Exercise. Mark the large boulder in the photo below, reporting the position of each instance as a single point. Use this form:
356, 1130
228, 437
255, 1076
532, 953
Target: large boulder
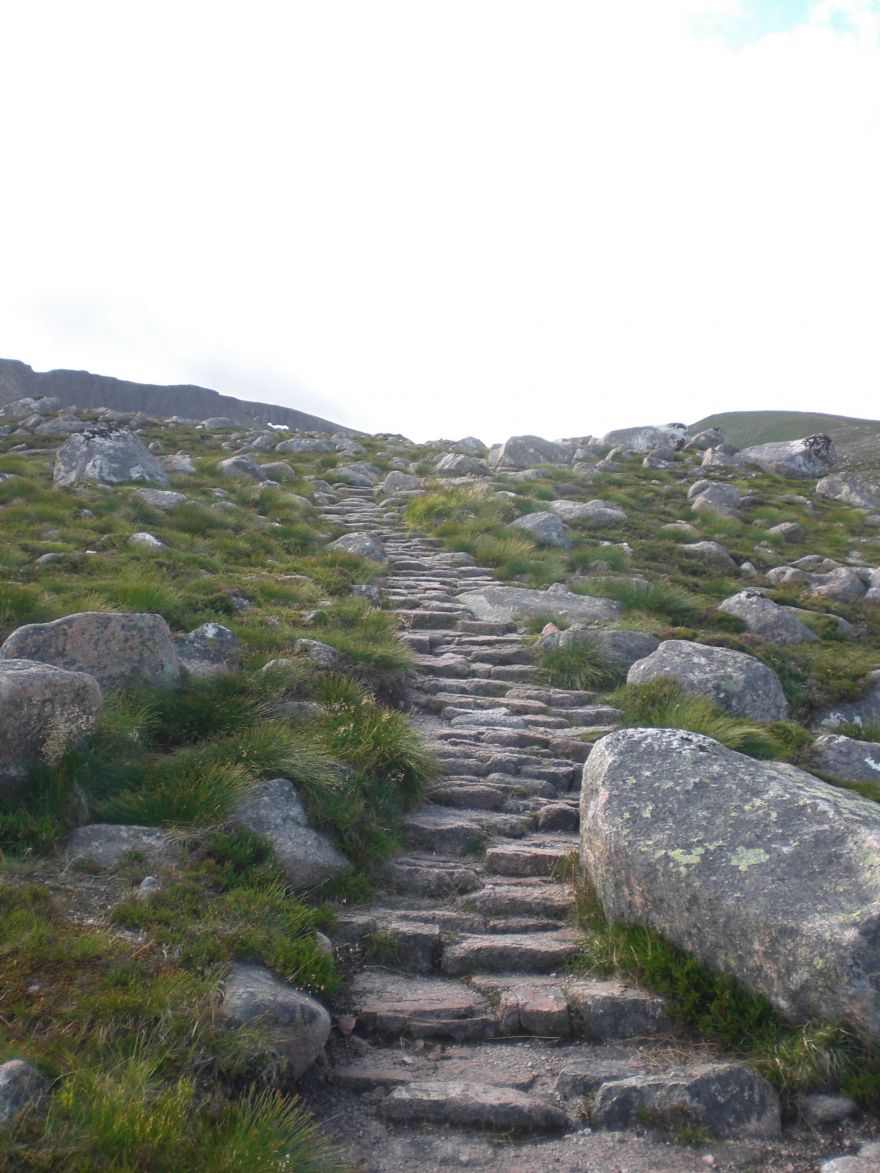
758, 869
115, 649
459, 464
736, 682
273, 809
107, 455
850, 490
503, 604
761, 616
812, 456
364, 543
241, 466
595, 512
527, 451
43, 710
646, 439
545, 528
297, 1024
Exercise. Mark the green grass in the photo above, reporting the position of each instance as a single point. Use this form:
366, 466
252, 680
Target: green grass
717, 1008
580, 665
661, 704
661, 599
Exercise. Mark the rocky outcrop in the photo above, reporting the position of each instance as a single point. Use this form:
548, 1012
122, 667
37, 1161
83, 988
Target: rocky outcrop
688, 837
296, 1023
43, 710
17, 379
116, 649
739, 684
813, 456
108, 456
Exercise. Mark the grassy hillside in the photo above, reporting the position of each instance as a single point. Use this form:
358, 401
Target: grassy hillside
857, 441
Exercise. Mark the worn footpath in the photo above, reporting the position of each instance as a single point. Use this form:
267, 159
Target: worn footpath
464, 1039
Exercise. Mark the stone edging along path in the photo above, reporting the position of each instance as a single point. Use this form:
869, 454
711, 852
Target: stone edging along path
463, 1040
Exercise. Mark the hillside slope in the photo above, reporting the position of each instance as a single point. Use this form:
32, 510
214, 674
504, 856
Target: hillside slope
86, 390
857, 440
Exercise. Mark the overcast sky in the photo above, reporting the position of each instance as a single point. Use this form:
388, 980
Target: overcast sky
450, 217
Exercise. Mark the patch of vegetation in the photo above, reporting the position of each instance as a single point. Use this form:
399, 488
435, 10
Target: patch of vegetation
581, 664
661, 704
717, 1008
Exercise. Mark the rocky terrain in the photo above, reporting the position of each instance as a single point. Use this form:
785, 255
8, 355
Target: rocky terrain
380, 806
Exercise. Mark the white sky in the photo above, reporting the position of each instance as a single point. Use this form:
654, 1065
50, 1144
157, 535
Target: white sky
449, 217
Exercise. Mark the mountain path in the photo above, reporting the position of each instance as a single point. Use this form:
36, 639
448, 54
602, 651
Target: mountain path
471, 1042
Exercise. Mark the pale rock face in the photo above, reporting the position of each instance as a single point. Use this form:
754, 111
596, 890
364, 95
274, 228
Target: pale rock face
595, 512
241, 466
460, 464
115, 649
108, 456
812, 456
739, 684
688, 837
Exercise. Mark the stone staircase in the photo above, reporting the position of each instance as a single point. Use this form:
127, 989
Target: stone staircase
464, 1038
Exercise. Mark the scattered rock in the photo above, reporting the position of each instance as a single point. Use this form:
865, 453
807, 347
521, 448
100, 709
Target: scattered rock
115, 649
273, 809
108, 456
527, 451
725, 1099
107, 845
43, 710
736, 682
207, 650
178, 464
459, 465
298, 1025
812, 456
365, 544
846, 758
163, 499
241, 466
21, 1087
594, 513
684, 835
545, 528
761, 616
646, 439
850, 490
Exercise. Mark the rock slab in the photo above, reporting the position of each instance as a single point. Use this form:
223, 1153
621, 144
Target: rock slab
756, 868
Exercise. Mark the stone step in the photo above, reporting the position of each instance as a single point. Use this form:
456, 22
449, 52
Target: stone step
424, 618
525, 897
509, 953
430, 875
483, 626
455, 832
533, 856
564, 1007
558, 698
472, 795
402, 1005
472, 1105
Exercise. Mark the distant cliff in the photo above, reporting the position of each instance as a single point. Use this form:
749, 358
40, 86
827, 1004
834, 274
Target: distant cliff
18, 380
